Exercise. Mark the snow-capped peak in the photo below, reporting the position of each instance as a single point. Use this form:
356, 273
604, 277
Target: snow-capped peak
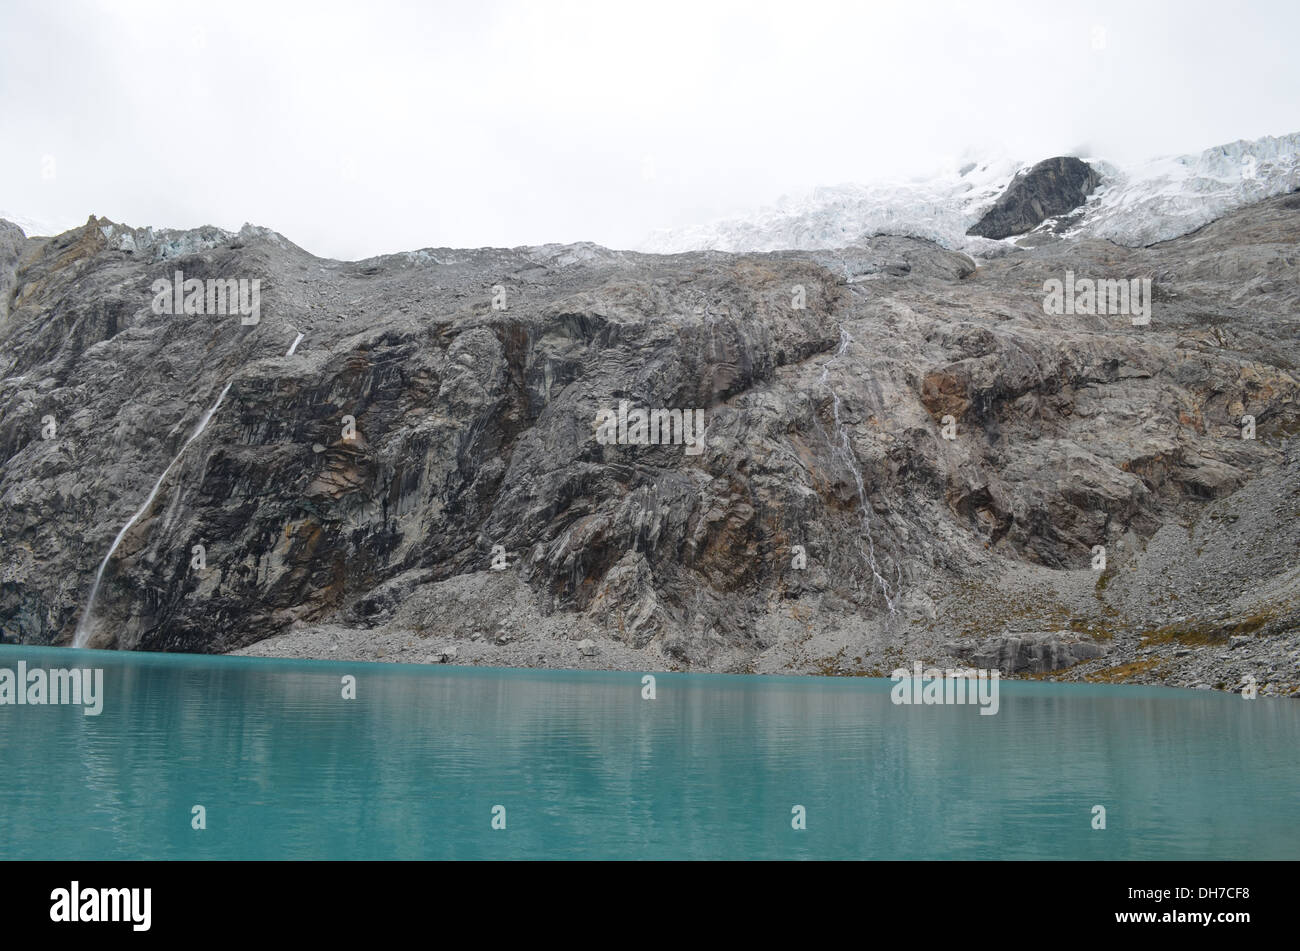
1158, 200
940, 208
32, 227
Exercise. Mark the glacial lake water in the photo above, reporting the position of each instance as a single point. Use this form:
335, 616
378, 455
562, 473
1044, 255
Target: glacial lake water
584, 767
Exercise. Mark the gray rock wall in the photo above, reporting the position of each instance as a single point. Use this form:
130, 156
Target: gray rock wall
476, 446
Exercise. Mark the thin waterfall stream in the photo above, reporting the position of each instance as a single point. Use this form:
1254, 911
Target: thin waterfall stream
843, 450
84, 626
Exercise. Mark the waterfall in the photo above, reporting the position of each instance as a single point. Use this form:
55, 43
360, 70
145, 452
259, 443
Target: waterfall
82, 635
843, 450
294, 346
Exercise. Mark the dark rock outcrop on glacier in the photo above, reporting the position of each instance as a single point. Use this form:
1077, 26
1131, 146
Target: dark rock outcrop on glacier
475, 511
1053, 187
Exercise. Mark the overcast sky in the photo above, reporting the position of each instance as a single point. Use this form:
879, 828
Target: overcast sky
368, 127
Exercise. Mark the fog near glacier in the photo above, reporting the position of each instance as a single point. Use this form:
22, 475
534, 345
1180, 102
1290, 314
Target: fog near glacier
358, 129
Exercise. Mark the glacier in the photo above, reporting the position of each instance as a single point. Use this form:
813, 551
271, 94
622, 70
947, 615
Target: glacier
1135, 206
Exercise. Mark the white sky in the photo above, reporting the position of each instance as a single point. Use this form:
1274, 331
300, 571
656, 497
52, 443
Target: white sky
367, 127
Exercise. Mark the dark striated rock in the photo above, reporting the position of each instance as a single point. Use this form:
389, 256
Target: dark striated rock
12, 243
1053, 187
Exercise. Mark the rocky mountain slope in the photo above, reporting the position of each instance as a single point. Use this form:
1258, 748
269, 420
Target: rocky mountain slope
424, 475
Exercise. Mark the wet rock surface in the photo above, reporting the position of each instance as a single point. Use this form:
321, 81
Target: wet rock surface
470, 512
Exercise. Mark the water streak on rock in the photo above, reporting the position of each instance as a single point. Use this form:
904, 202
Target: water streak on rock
84, 626
844, 452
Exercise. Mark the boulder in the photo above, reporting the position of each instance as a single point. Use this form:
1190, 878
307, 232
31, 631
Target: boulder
1053, 187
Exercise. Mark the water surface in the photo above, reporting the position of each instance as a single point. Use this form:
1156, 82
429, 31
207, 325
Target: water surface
586, 768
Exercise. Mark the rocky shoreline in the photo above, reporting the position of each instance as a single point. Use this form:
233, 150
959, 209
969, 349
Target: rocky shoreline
1215, 651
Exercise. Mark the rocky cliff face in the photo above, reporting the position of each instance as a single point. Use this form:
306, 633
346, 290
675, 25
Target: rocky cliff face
904, 455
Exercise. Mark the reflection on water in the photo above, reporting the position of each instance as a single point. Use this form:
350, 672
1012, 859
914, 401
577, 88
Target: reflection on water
411, 768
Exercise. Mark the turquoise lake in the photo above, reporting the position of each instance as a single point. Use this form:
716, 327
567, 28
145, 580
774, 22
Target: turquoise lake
586, 768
